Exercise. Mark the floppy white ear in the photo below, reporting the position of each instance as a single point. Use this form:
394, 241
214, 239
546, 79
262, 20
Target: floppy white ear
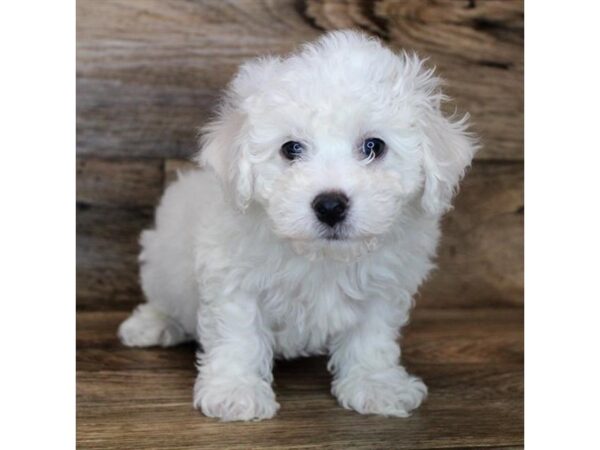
448, 146
224, 142
448, 150
223, 149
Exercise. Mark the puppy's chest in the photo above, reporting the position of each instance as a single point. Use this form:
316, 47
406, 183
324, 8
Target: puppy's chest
304, 312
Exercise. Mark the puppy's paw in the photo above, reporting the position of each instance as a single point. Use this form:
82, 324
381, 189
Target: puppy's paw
391, 392
147, 327
234, 399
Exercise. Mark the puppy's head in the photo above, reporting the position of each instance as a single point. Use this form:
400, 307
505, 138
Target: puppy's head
338, 141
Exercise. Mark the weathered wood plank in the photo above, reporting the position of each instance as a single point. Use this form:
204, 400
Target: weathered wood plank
126, 183
471, 359
446, 336
149, 72
480, 257
468, 405
309, 379
107, 250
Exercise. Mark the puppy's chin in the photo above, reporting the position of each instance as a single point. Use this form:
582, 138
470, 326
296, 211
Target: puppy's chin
335, 247
343, 242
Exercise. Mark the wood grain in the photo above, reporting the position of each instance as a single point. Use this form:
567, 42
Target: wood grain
149, 72
480, 257
131, 398
153, 410
125, 183
107, 250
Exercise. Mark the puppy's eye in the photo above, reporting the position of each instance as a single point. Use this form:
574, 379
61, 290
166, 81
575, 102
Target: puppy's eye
373, 148
292, 150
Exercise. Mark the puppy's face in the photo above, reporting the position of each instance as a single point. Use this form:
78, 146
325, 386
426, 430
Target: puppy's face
339, 169
337, 142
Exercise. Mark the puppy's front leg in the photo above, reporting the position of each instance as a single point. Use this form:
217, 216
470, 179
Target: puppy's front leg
368, 376
234, 379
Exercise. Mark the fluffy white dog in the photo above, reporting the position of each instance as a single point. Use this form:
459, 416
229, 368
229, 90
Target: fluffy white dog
318, 221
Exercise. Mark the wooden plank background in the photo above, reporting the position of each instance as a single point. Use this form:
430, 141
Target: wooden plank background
149, 72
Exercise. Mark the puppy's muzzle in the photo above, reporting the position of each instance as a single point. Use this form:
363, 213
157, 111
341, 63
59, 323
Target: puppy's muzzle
330, 207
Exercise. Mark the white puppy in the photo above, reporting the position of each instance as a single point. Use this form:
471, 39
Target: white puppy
312, 230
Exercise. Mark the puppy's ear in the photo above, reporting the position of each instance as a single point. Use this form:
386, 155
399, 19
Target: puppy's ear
448, 146
223, 149
448, 149
225, 145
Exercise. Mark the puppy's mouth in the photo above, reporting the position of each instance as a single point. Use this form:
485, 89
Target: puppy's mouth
339, 242
336, 233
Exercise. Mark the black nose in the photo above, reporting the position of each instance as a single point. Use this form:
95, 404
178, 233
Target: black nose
330, 207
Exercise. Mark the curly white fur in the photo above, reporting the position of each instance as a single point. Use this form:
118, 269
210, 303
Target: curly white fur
238, 260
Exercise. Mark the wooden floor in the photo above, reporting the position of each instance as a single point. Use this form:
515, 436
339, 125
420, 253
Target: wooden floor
471, 359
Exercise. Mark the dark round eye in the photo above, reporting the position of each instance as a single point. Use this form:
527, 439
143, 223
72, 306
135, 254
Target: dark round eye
373, 146
292, 150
